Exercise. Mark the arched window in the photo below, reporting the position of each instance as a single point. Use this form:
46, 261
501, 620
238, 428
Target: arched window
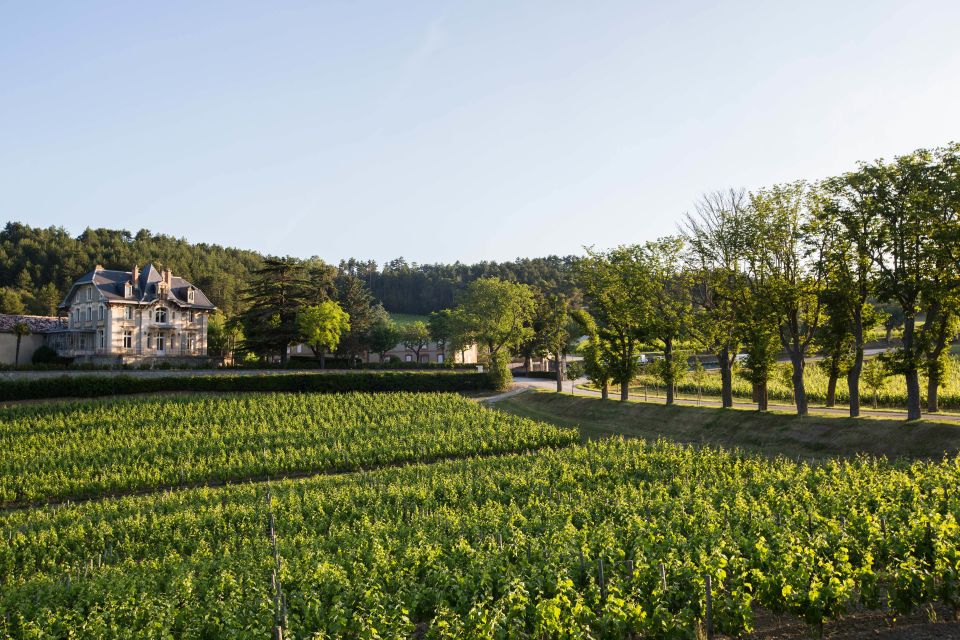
160, 315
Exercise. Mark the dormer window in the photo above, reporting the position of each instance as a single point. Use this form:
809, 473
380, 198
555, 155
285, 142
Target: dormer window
190, 296
128, 290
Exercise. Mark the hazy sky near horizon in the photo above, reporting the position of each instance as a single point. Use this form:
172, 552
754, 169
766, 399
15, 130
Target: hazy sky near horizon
450, 131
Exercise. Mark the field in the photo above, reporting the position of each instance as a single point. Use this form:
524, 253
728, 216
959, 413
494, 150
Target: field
505, 528
53, 452
891, 395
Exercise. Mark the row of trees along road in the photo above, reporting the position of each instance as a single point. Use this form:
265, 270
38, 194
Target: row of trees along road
796, 269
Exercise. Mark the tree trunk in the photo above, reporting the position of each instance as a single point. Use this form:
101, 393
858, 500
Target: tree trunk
559, 374
668, 367
605, 391
527, 363
933, 360
284, 355
323, 358
799, 388
833, 376
624, 390
911, 375
853, 375
933, 386
726, 377
16, 357
912, 378
761, 391
832, 388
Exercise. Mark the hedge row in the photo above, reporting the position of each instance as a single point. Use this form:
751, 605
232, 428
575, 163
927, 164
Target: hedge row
94, 386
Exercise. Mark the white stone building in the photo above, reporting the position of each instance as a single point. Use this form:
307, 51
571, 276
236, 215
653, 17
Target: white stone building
128, 316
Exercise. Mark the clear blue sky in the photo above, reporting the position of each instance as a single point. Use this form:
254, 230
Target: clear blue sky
445, 131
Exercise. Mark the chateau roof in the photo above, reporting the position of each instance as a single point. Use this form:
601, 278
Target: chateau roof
111, 284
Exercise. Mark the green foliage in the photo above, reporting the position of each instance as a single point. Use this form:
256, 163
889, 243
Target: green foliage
415, 337
500, 375
94, 386
276, 293
11, 302
497, 314
46, 355
384, 335
498, 547
321, 325
102, 447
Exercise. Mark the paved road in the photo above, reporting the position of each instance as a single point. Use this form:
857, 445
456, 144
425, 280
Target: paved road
522, 384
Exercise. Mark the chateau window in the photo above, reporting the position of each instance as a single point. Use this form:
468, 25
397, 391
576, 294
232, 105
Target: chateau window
190, 296
100, 313
128, 290
160, 340
128, 313
160, 315
128, 339
89, 293
103, 338
439, 358
149, 342
191, 316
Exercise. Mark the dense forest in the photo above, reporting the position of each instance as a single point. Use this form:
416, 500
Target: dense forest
38, 265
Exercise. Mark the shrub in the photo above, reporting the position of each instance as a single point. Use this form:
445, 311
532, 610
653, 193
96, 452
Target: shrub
48, 355
105, 385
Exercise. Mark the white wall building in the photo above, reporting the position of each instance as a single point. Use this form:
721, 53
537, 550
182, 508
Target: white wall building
126, 316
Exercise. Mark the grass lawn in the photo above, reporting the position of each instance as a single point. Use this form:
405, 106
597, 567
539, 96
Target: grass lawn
407, 318
768, 433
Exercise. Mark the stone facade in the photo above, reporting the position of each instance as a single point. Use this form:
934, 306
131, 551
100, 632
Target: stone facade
130, 316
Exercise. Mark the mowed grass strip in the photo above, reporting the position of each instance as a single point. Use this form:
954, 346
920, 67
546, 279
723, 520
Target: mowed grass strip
769, 433
88, 449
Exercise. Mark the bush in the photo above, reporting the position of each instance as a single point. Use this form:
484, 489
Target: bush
48, 355
107, 385
500, 375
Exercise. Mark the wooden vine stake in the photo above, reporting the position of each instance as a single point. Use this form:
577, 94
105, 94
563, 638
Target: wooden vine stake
709, 612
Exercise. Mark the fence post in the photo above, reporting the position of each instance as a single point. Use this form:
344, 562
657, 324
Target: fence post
709, 608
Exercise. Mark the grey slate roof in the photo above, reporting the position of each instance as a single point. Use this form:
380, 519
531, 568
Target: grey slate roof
111, 284
37, 324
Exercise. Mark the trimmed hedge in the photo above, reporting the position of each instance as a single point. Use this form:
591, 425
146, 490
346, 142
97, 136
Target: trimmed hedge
94, 386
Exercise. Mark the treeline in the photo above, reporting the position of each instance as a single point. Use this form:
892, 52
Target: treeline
421, 289
38, 265
798, 268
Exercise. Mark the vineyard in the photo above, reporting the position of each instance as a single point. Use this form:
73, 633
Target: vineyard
609, 539
52, 452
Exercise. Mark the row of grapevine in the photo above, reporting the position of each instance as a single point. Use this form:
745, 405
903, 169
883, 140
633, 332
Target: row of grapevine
96, 447
510, 546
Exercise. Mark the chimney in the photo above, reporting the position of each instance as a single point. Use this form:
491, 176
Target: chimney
99, 267
135, 276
